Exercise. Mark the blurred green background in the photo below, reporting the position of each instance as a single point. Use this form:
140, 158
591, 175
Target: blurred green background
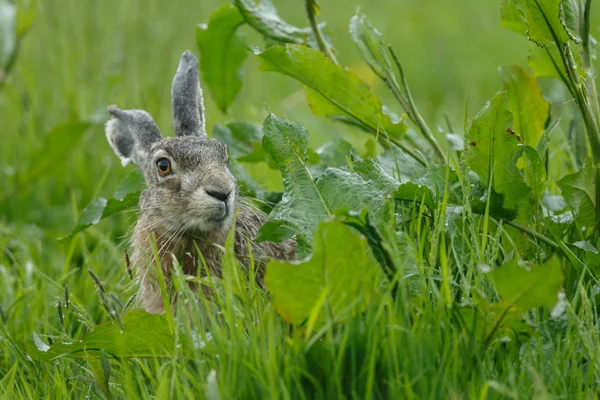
82, 55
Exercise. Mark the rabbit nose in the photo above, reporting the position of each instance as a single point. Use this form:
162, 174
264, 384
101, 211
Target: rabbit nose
219, 194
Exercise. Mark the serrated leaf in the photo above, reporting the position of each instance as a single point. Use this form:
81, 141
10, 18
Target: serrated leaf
145, 335
572, 11
243, 140
126, 197
223, 52
307, 201
524, 289
526, 103
338, 278
301, 207
513, 17
578, 189
263, 17
541, 17
493, 153
371, 47
56, 145
343, 189
372, 171
331, 90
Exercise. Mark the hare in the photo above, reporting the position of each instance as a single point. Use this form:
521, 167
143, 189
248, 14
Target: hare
191, 196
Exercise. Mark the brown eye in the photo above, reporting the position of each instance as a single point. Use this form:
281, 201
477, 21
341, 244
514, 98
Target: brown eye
164, 166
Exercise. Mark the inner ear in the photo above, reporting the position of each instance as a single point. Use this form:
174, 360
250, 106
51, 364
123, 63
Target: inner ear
131, 133
187, 101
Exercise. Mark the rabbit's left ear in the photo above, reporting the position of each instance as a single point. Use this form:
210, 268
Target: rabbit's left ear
188, 104
131, 133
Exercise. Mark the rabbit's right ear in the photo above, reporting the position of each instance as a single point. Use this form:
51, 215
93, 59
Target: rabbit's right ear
131, 134
187, 101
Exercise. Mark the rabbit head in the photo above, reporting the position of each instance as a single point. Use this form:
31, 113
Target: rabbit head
188, 182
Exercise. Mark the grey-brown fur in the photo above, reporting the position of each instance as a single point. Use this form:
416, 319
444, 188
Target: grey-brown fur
193, 206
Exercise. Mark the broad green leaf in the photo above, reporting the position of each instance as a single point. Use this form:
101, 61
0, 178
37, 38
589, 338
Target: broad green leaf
513, 17
307, 201
546, 61
525, 102
223, 52
371, 47
343, 189
535, 173
524, 289
578, 189
479, 201
372, 171
302, 207
335, 153
337, 279
330, 89
413, 192
144, 336
494, 149
263, 17
126, 197
56, 145
243, 140
8, 34
542, 18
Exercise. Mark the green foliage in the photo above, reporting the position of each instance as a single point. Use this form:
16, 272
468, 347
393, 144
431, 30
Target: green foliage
526, 104
338, 278
542, 18
494, 151
242, 140
302, 206
223, 53
331, 90
371, 47
307, 201
453, 273
126, 197
262, 16
524, 289
579, 191
143, 335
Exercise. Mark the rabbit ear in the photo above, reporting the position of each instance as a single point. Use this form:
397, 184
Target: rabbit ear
131, 133
188, 104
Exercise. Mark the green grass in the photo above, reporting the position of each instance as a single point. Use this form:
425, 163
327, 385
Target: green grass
81, 56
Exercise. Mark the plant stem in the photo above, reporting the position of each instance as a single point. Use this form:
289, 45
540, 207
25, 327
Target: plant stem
579, 90
593, 97
408, 103
311, 8
533, 233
